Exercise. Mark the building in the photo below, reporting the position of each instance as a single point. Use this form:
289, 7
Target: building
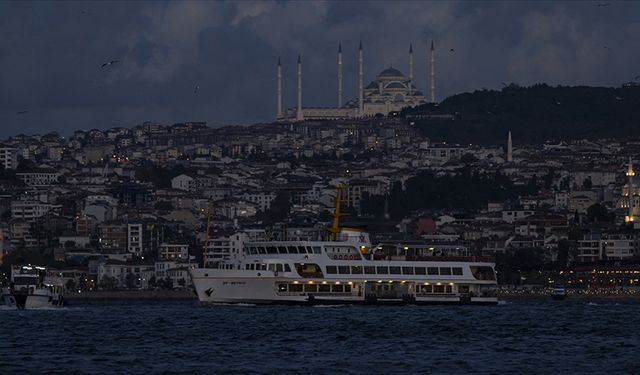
391, 91
39, 178
134, 238
178, 252
8, 157
183, 182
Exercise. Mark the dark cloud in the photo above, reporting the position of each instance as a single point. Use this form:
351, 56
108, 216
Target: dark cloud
51, 53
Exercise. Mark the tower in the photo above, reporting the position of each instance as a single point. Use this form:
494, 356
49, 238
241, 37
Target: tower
299, 116
410, 69
509, 148
630, 175
339, 75
279, 113
433, 75
360, 83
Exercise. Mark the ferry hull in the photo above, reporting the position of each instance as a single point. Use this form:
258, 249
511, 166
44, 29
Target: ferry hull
222, 289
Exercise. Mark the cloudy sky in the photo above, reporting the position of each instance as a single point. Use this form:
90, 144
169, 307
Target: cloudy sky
51, 54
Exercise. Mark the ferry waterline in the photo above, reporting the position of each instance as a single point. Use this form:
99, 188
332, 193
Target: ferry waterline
345, 270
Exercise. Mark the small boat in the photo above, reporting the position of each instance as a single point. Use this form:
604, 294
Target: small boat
7, 301
31, 288
558, 293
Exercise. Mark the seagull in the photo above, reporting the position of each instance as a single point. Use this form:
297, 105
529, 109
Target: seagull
109, 63
603, 5
22, 112
451, 50
557, 102
195, 90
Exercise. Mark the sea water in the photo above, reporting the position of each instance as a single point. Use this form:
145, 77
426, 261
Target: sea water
524, 337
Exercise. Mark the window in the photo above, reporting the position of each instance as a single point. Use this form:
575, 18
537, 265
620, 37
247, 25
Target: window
426, 288
295, 288
279, 267
448, 289
407, 270
317, 250
272, 267
457, 271
445, 270
369, 270
438, 288
324, 288
272, 250
292, 249
394, 270
246, 266
483, 273
262, 250
344, 270
282, 249
301, 250
337, 288
287, 268
282, 287
421, 271
382, 270
347, 288
332, 269
309, 250
356, 270
311, 288
432, 270
253, 250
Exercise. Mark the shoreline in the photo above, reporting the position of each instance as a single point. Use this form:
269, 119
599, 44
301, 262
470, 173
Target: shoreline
131, 295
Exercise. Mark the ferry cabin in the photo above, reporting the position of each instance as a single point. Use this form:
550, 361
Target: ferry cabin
346, 272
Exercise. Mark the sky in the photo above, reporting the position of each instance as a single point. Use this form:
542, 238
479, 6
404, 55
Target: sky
51, 54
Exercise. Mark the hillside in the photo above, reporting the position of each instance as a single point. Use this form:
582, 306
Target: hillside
534, 114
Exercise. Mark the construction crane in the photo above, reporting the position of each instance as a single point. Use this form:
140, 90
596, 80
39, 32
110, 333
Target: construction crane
335, 223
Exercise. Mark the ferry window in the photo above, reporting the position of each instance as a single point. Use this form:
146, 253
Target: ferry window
292, 249
287, 268
263, 267
356, 270
445, 270
344, 269
382, 270
394, 270
282, 249
369, 270
332, 269
448, 289
421, 271
279, 267
483, 273
282, 287
295, 288
261, 250
432, 270
317, 250
324, 288
426, 288
272, 267
438, 288
347, 288
407, 270
272, 250
301, 250
252, 250
252, 267
246, 266
457, 271
337, 288
310, 288
309, 250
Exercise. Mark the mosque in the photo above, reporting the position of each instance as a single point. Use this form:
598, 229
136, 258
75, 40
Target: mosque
391, 91
630, 199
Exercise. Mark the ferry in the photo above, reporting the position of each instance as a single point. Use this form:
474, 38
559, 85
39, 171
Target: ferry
31, 288
345, 269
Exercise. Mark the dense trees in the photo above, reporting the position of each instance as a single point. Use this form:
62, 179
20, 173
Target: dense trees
535, 114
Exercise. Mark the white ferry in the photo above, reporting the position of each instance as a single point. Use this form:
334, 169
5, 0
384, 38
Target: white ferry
345, 270
31, 288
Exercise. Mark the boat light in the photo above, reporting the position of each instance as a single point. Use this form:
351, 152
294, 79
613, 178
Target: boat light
390, 281
438, 283
310, 282
296, 282
350, 283
426, 283
337, 282
450, 283
379, 281
324, 282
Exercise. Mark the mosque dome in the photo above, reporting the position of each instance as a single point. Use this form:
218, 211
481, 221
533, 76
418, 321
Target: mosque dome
395, 85
390, 72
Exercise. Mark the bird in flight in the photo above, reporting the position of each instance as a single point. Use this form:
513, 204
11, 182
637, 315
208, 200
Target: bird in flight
603, 5
109, 63
22, 112
452, 50
195, 89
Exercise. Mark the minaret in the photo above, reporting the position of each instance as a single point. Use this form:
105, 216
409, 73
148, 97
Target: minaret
630, 174
299, 116
509, 148
410, 69
340, 75
433, 74
360, 83
279, 113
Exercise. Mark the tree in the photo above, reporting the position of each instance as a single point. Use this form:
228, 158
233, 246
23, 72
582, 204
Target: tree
152, 282
108, 283
587, 184
70, 284
599, 213
182, 282
167, 283
131, 281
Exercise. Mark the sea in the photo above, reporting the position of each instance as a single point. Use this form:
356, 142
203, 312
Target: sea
183, 337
